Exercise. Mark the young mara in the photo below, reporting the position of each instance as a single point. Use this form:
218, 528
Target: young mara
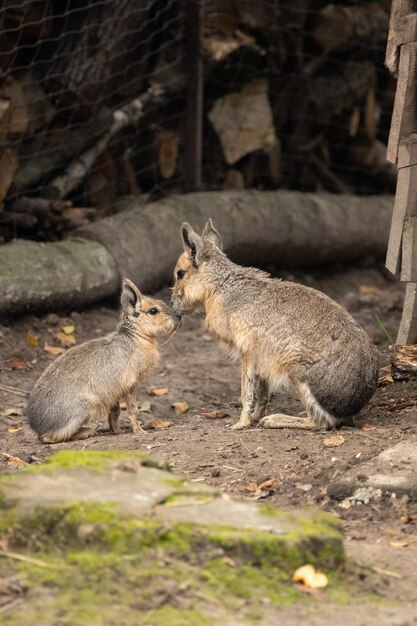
85, 384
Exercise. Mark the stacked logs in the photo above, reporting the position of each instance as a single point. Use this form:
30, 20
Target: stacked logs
92, 103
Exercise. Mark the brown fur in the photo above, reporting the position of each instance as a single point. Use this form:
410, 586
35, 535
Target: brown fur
85, 385
285, 334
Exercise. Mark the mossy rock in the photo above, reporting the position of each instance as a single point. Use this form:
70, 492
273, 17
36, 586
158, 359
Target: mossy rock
110, 538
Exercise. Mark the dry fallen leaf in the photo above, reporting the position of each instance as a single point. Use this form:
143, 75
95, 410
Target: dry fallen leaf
251, 487
366, 427
267, 484
180, 407
384, 376
334, 441
158, 423
310, 577
18, 363
215, 415
158, 392
66, 340
54, 350
399, 544
290, 448
370, 290
406, 518
14, 430
385, 380
260, 491
31, 339
145, 406
68, 330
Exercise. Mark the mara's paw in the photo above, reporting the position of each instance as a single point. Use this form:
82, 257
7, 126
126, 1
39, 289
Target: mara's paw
240, 425
137, 428
267, 422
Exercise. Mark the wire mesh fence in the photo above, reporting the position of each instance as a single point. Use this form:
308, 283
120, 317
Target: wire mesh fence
95, 102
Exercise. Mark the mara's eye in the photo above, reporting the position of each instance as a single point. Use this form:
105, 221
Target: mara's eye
180, 274
153, 311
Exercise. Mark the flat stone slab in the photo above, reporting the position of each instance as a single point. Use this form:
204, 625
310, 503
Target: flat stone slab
394, 471
115, 539
141, 487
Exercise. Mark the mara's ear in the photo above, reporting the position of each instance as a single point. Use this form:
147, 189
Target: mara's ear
131, 298
210, 234
191, 241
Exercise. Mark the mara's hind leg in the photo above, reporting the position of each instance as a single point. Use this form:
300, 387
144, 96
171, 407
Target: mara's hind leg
133, 412
67, 433
317, 417
77, 428
114, 415
91, 423
84, 433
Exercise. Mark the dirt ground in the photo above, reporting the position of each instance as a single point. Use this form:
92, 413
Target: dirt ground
381, 538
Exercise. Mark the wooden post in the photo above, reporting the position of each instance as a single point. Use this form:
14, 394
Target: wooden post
194, 108
401, 60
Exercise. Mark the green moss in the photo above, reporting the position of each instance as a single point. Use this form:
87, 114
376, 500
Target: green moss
168, 616
177, 483
189, 497
90, 459
97, 460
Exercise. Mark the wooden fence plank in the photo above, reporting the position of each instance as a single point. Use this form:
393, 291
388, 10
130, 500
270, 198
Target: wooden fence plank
409, 250
404, 116
405, 205
407, 332
398, 31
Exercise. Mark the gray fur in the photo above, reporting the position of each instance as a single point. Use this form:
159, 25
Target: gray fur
86, 383
285, 334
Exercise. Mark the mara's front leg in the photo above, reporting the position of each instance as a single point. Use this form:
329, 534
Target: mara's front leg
262, 399
247, 396
133, 412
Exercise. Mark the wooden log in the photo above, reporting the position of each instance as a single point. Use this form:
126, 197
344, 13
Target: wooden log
53, 275
73, 142
195, 93
32, 20
30, 107
5, 119
8, 167
243, 121
283, 228
404, 116
407, 332
109, 46
404, 362
338, 27
102, 183
122, 118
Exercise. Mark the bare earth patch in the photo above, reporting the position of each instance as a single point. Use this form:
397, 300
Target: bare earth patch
285, 468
